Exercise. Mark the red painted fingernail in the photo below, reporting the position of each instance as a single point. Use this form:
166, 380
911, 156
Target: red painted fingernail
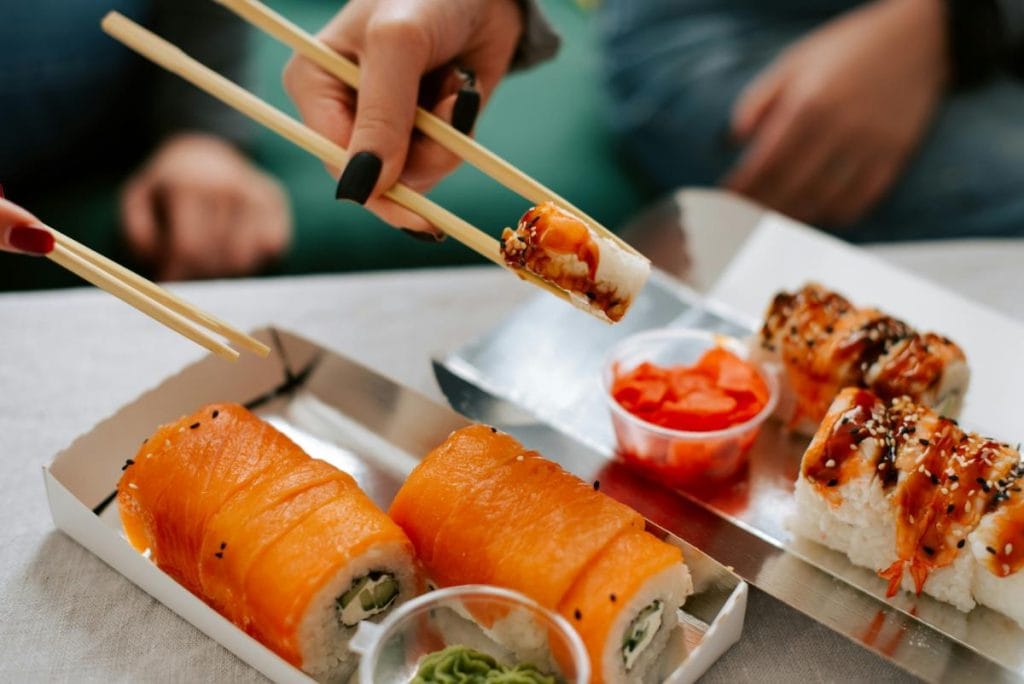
31, 239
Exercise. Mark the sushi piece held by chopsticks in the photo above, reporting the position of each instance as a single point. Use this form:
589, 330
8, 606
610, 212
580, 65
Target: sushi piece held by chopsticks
601, 275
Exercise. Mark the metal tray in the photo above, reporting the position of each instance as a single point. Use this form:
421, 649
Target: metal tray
555, 380
361, 422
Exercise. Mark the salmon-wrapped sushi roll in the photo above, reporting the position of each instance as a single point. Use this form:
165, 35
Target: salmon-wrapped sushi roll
601, 275
513, 519
823, 343
285, 546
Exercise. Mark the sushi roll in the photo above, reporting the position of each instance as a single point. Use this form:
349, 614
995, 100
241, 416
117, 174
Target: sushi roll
997, 546
899, 488
481, 509
285, 546
823, 343
601, 275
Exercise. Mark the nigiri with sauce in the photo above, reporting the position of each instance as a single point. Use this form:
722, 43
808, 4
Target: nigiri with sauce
909, 494
823, 343
601, 275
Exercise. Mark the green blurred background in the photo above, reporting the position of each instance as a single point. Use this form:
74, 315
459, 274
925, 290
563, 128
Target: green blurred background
547, 121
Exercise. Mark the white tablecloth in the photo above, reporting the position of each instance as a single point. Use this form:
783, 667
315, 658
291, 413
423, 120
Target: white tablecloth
70, 358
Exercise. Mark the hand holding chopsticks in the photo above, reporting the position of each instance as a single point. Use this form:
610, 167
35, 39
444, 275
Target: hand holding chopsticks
152, 300
163, 53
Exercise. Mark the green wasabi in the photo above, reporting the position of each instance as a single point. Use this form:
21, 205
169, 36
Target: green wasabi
463, 665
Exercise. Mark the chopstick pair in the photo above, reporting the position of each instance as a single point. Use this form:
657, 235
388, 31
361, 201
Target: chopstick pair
151, 299
171, 58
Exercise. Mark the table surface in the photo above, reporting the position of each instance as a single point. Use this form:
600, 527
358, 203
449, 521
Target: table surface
71, 358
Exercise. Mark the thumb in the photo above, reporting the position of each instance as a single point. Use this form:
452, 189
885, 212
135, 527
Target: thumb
755, 101
394, 62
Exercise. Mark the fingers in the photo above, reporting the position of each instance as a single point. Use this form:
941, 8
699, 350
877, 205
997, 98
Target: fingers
756, 100
395, 58
866, 189
139, 219
21, 232
187, 251
324, 103
775, 145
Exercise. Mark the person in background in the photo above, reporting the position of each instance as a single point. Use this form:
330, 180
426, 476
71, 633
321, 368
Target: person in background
885, 119
76, 104
881, 120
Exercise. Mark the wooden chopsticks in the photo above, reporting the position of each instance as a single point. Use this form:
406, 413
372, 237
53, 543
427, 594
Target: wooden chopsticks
149, 298
464, 147
168, 56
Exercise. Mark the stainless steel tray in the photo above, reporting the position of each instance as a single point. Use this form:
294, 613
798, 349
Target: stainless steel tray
361, 422
542, 366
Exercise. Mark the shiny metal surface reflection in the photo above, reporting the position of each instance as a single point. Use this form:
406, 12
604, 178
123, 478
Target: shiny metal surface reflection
540, 369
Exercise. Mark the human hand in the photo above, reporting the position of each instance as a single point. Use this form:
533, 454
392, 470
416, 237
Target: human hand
398, 43
21, 232
198, 208
831, 123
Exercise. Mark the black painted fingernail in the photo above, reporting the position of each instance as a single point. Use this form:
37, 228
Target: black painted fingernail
359, 177
467, 106
423, 236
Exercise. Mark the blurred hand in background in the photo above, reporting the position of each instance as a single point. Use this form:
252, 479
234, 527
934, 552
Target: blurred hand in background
828, 126
198, 208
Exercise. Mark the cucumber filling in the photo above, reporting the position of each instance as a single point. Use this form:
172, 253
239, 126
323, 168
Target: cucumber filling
641, 633
369, 595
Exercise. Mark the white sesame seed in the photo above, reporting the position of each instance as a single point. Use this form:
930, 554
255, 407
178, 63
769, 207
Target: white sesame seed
132, 485
147, 553
968, 507
1008, 549
519, 457
911, 520
1006, 569
944, 491
830, 463
956, 486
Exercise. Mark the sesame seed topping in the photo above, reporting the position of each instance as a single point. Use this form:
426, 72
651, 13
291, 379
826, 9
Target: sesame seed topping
1006, 568
127, 463
1008, 549
929, 550
597, 485
577, 614
216, 412
832, 483
193, 426
519, 457
132, 485
830, 463
960, 544
950, 508
990, 550
611, 597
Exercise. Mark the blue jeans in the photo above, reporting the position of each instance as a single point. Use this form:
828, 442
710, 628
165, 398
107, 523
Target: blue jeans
674, 68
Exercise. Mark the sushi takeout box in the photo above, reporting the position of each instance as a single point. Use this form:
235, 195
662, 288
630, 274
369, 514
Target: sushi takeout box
362, 423
745, 525
375, 429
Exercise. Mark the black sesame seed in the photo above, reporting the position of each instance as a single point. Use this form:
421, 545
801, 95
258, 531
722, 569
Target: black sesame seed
832, 483
597, 485
924, 442
223, 545
611, 597
577, 614
829, 329
494, 430
216, 412
980, 480
127, 463
193, 426
929, 550
950, 508
954, 478
960, 544
145, 440
219, 554
935, 479
990, 550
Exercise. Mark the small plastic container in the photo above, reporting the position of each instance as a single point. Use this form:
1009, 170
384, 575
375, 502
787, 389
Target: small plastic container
506, 625
692, 460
